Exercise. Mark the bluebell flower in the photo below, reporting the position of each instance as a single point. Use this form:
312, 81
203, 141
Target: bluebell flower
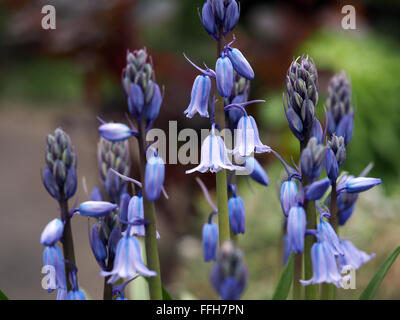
123, 206
115, 132
153, 108
52, 256
113, 241
324, 266
353, 256
224, 76
328, 234
235, 114
317, 189
210, 241
76, 295
98, 248
345, 128
135, 100
288, 196
219, 10
96, 209
248, 139
208, 19
154, 177
311, 159
331, 165
295, 123
214, 155
240, 64
52, 233
62, 294
50, 184
257, 172
231, 17
237, 217
316, 131
96, 195
229, 274
199, 97
135, 212
346, 203
296, 228
128, 261
359, 184
71, 183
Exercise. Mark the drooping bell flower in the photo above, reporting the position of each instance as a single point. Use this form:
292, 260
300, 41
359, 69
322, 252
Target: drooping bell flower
214, 155
75, 293
353, 256
247, 138
317, 189
210, 241
359, 184
240, 64
52, 256
224, 76
199, 97
52, 232
128, 261
288, 196
328, 234
115, 132
96, 209
154, 177
257, 172
153, 107
296, 228
98, 248
236, 211
324, 266
135, 211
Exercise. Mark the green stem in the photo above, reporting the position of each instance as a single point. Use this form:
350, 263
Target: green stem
297, 287
67, 240
221, 181
153, 262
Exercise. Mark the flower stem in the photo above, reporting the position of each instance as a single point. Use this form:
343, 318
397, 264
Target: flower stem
311, 291
67, 240
221, 181
153, 262
297, 269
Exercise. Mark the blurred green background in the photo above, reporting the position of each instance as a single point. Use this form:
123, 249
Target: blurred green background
68, 76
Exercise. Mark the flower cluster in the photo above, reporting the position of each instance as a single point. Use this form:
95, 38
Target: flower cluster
333, 196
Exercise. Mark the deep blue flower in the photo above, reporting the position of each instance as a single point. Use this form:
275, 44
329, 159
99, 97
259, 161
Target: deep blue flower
62, 294
115, 132
235, 114
231, 17
128, 261
71, 183
316, 131
153, 108
237, 218
331, 165
98, 247
135, 100
96, 195
353, 256
295, 123
345, 128
123, 206
52, 256
219, 10
135, 212
359, 184
214, 155
199, 97
288, 196
317, 189
208, 19
240, 64
296, 228
346, 203
257, 172
154, 177
210, 241
224, 76
247, 138
324, 266
52, 232
96, 209
50, 184
76, 295
311, 159
328, 234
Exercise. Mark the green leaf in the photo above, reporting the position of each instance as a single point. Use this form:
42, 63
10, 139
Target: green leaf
375, 282
3, 296
165, 294
285, 281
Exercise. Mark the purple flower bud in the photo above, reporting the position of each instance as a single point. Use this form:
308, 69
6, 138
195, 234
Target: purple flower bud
331, 165
237, 218
59, 172
199, 97
224, 76
240, 64
96, 209
50, 184
257, 172
70, 183
52, 232
288, 196
218, 9
316, 131
231, 17
153, 108
208, 19
154, 177
295, 123
360, 184
113, 240
98, 248
296, 228
210, 241
317, 189
115, 132
346, 203
123, 206
324, 265
345, 128
96, 195
329, 235
135, 100
135, 212
235, 114
311, 159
